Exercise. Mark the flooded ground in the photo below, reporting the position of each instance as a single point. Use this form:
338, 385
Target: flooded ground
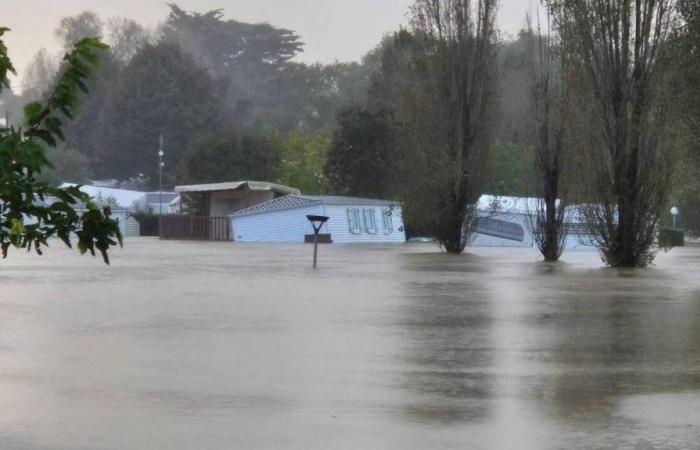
222, 346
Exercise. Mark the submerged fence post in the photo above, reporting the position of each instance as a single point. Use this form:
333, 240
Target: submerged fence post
316, 222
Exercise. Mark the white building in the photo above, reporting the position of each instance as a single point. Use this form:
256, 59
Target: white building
507, 222
121, 202
222, 199
351, 220
121, 198
156, 202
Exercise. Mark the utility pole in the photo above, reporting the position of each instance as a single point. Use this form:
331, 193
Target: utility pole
161, 164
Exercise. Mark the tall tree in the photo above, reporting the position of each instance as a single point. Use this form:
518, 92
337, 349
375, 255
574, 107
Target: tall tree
87, 134
248, 55
161, 91
225, 155
126, 37
361, 155
617, 44
40, 75
549, 116
451, 124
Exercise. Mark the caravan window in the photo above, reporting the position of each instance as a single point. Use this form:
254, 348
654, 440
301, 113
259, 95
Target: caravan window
388, 221
370, 221
354, 224
499, 228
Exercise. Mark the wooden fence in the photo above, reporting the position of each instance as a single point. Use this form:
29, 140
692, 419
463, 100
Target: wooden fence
195, 228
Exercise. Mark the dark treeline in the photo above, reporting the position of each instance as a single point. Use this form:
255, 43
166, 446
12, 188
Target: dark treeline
436, 115
204, 81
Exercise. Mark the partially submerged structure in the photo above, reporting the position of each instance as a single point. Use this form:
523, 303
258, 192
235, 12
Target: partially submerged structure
508, 221
208, 207
156, 202
222, 199
115, 197
351, 220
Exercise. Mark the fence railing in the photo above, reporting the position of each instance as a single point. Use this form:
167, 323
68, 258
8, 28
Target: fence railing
195, 228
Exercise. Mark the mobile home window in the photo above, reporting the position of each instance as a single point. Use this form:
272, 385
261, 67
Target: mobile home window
499, 228
387, 221
370, 220
354, 220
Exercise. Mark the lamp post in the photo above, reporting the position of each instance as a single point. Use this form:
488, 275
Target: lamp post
161, 164
674, 213
316, 222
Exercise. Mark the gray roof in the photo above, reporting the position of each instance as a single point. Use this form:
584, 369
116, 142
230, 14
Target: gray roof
341, 200
298, 201
236, 185
154, 197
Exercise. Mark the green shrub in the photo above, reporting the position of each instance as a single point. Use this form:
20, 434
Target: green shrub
670, 237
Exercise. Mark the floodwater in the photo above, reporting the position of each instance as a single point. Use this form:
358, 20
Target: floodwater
183, 345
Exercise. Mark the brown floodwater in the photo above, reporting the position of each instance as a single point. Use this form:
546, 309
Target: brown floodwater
183, 345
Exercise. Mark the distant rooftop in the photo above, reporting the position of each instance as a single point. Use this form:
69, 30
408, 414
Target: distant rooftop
238, 185
123, 197
155, 197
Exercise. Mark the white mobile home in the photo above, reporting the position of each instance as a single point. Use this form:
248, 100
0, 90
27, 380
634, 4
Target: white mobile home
507, 222
351, 220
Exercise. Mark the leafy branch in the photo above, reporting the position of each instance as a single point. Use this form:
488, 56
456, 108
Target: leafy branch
32, 212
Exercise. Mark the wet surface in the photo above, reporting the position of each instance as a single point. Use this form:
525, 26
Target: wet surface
223, 346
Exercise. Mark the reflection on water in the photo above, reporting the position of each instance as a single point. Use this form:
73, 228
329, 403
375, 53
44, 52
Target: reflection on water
567, 344
447, 334
184, 345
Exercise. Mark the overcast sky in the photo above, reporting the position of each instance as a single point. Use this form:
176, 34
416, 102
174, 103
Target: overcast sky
331, 29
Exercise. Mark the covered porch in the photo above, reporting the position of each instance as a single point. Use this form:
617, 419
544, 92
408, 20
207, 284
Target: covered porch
205, 208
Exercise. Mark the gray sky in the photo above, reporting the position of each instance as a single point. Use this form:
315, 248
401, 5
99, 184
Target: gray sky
331, 29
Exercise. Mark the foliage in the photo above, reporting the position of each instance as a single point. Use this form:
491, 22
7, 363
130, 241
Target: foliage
126, 38
550, 115
670, 237
248, 57
206, 73
66, 165
362, 153
687, 97
509, 169
40, 75
73, 29
227, 156
307, 96
515, 65
301, 159
392, 62
27, 220
623, 119
161, 91
450, 116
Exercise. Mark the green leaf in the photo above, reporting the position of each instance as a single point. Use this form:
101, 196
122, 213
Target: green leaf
5, 63
23, 155
32, 112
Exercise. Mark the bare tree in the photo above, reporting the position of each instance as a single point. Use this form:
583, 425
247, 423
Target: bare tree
126, 38
72, 29
616, 44
449, 131
548, 115
40, 75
